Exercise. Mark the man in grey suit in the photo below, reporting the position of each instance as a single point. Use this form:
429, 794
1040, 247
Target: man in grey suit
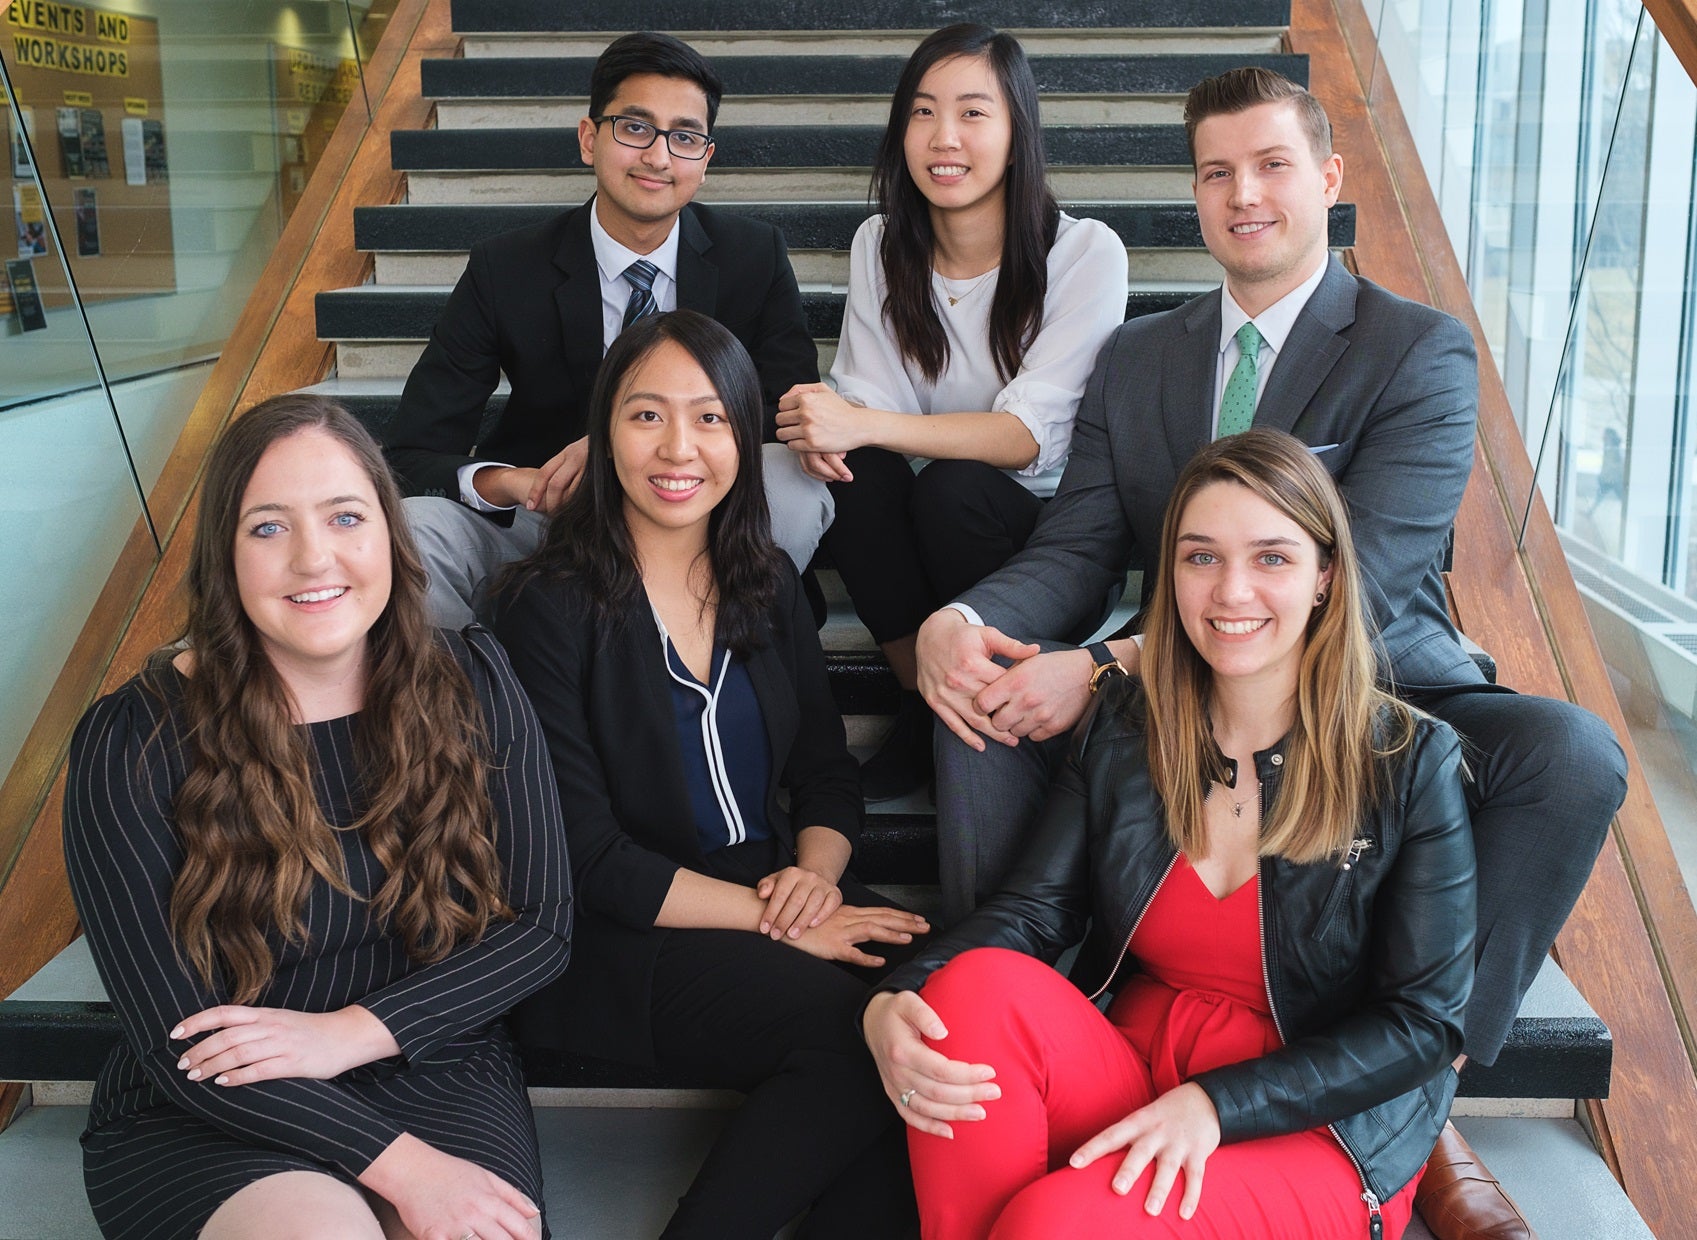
1386, 393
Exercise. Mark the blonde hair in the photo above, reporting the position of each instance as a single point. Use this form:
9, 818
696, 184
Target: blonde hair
1345, 725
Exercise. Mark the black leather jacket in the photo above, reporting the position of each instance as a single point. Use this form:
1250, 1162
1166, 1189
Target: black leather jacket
1368, 964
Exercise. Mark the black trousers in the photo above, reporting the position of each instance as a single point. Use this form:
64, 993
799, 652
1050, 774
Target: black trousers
815, 1131
907, 543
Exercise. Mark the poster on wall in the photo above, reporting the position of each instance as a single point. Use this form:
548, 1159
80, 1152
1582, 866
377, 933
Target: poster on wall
32, 221
26, 295
21, 166
70, 140
135, 155
153, 151
95, 162
88, 224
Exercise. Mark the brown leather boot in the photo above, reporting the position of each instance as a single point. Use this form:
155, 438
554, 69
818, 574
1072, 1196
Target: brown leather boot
1461, 1200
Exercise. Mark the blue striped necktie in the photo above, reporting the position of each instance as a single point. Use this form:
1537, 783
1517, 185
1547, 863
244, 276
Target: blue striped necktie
640, 276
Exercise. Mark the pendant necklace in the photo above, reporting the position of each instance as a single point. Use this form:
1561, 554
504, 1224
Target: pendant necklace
1236, 805
953, 299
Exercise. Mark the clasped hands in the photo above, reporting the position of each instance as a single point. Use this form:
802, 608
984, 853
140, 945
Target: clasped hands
806, 910
1040, 695
1176, 1132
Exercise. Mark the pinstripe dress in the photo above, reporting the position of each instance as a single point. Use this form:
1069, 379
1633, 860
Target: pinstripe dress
161, 1153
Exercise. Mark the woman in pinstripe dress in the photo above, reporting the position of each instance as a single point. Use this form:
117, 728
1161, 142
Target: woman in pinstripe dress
317, 854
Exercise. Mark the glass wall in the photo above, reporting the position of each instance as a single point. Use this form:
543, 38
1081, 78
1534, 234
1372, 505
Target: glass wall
1560, 137
150, 154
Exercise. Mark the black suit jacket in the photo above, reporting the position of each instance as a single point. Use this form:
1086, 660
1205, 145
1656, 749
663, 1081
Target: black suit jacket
604, 698
1386, 392
529, 306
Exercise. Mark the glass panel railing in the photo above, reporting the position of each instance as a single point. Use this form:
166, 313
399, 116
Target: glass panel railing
1568, 195
150, 154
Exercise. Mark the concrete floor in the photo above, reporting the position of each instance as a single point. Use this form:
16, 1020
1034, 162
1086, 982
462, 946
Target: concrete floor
614, 1173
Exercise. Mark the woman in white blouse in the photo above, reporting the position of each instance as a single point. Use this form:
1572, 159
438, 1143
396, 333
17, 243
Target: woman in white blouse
974, 300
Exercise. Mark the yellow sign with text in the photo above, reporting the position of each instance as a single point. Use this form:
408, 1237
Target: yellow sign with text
75, 20
78, 99
134, 106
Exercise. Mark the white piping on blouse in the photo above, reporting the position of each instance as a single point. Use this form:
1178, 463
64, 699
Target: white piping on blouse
717, 769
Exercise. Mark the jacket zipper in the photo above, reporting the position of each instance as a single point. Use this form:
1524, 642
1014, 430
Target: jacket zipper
1340, 886
1375, 1222
1132, 933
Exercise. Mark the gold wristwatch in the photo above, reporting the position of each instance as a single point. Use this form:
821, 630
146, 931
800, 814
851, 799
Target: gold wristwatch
1106, 664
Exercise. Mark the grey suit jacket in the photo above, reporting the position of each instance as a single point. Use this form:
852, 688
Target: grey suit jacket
1385, 390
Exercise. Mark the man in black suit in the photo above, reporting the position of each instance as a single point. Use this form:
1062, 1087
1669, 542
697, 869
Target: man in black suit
542, 304
1386, 393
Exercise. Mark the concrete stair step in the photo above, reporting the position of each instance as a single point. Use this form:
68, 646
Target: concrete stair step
805, 225
613, 1169
373, 312
769, 147
687, 17
570, 182
847, 74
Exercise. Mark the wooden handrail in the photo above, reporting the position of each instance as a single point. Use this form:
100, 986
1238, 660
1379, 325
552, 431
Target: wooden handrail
1677, 20
273, 348
1631, 943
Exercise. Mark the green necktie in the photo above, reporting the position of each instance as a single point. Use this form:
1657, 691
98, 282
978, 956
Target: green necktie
1237, 407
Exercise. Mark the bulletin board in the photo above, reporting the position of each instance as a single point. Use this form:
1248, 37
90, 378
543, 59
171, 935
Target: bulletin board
312, 92
88, 82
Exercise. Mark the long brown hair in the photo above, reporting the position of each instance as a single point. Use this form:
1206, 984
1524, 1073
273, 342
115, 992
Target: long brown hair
254, 838
1345, 728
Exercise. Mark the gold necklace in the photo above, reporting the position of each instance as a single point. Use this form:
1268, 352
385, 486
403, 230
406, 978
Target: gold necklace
954, 300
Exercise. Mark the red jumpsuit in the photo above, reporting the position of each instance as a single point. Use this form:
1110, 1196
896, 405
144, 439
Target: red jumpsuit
1199, 1001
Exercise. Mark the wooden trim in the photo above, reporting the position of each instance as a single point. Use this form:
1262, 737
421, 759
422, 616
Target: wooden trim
1677, 20
1631, 942
272, 349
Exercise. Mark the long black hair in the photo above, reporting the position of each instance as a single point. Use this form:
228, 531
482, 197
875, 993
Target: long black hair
588, 539
1028, 231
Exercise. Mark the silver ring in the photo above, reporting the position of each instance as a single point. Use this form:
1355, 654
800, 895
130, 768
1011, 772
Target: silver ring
470, 1235
908, 1094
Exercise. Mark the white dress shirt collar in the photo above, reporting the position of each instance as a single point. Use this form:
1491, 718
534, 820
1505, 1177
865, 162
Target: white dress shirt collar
612, 258
1275, 322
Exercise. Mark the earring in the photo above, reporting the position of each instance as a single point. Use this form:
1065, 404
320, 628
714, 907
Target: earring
1320, 599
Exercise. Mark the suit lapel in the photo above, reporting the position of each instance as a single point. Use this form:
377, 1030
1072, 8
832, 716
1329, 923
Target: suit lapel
1314, 346
577, 299
1187, 381
698, 275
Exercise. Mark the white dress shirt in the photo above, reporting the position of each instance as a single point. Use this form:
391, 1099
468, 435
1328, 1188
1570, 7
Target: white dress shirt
611, 260
1274, 323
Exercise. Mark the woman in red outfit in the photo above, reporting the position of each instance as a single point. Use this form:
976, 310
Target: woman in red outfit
1273, 862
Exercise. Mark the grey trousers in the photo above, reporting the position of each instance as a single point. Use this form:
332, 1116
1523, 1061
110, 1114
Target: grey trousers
464, 551
1547, 779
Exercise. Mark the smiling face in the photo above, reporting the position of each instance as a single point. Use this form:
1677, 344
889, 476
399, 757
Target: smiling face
640, 192
959, 136
1244, 579
674, 449
312, 556
1262, 195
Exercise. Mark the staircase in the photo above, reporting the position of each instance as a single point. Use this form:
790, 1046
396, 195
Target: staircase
807, 93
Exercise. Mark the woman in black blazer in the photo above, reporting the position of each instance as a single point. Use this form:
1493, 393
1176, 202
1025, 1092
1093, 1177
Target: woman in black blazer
711, 802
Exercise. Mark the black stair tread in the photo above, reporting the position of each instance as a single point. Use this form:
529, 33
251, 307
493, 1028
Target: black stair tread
1556, 1049
806, 226
533, 77
550, 16
555, 149
378, 312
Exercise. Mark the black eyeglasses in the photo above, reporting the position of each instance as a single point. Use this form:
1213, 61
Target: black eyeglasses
684, 143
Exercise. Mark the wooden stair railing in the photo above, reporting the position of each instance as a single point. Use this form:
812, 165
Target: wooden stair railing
1631, 944
272, 349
